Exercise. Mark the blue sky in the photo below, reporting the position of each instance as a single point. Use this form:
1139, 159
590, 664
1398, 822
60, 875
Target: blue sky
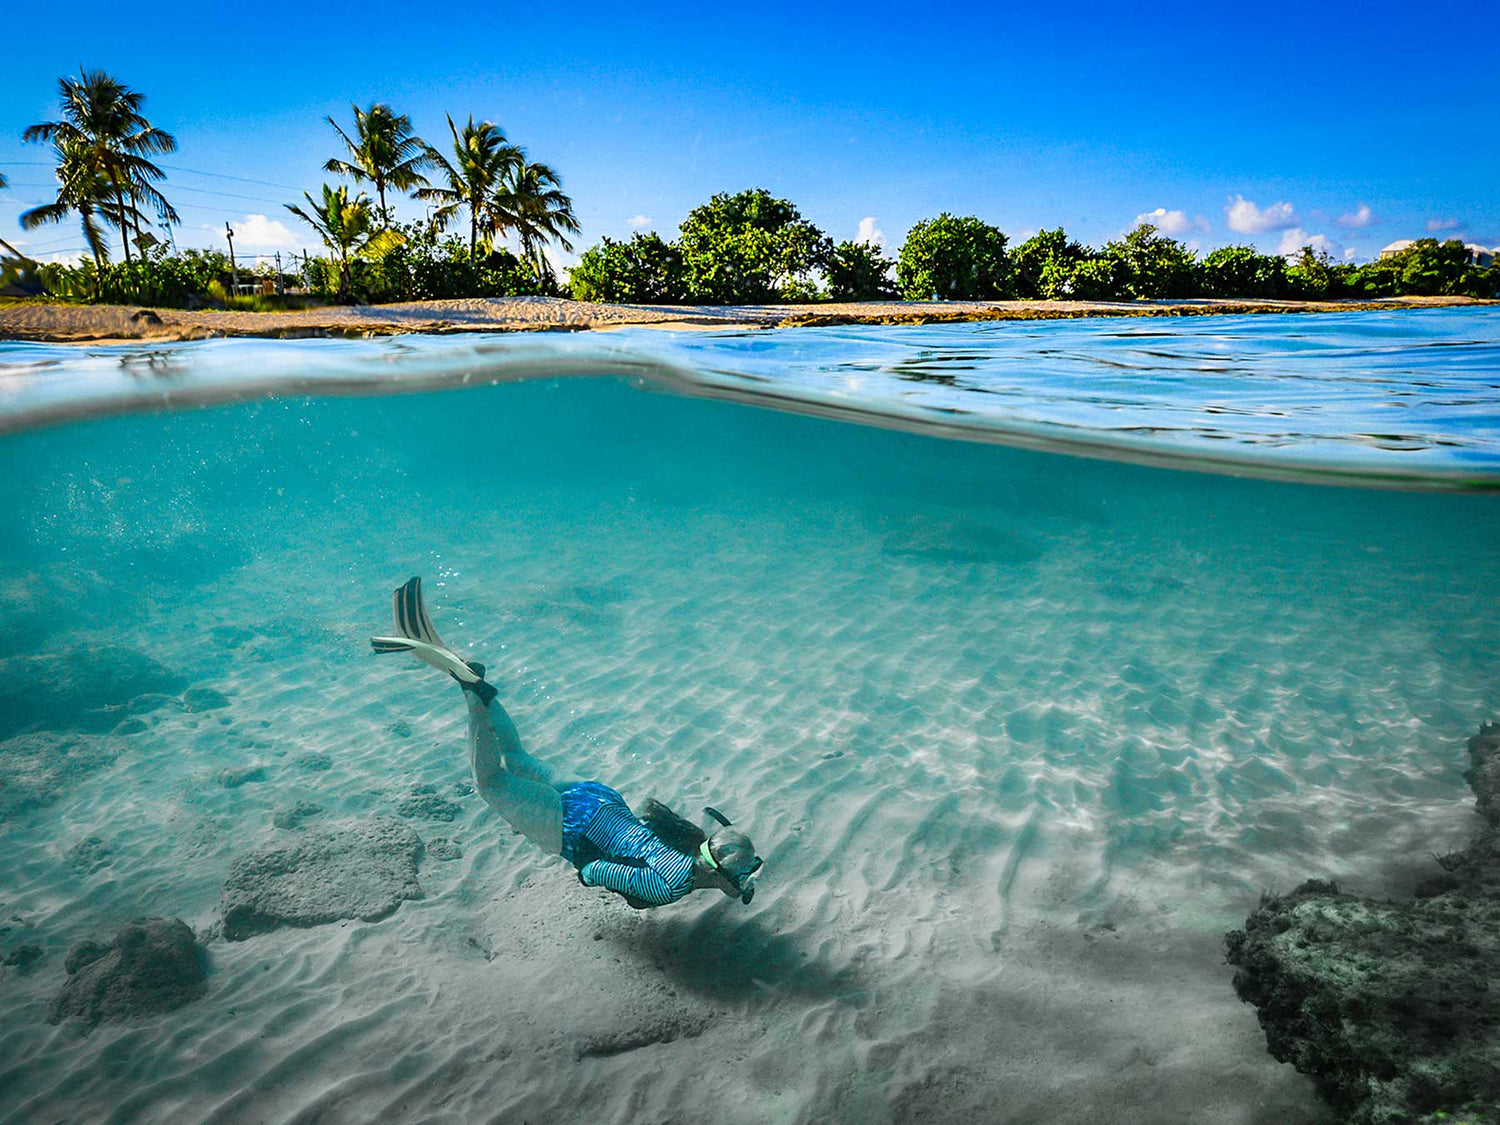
1350, 126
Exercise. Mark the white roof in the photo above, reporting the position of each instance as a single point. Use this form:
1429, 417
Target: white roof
1399, 245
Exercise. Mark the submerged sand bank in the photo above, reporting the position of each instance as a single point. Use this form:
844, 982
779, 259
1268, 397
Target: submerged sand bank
57, 323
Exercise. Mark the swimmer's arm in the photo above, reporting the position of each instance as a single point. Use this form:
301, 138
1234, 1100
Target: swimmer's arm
643, 883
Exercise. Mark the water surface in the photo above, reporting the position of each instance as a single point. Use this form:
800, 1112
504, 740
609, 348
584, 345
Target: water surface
1019, 733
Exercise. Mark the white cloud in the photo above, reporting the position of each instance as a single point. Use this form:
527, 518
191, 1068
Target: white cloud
1437, 226
1245, 217
1172, 222
256, 233
1361, 216
639, 222
1293, 240
869, 233
560, 260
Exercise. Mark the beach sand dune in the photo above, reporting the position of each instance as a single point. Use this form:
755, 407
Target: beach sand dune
101, 323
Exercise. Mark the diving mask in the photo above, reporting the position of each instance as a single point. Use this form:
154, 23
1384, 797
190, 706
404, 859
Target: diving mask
743, 882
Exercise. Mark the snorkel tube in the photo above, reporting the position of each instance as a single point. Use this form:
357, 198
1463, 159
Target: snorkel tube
744, 884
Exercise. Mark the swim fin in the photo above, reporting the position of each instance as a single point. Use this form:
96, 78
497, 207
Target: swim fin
418, 637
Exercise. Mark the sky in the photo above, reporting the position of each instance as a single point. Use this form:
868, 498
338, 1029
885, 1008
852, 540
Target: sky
1344, 126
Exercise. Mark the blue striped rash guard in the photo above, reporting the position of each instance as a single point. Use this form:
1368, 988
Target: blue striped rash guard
631, 860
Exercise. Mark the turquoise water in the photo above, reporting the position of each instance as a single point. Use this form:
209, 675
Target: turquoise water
1018, 732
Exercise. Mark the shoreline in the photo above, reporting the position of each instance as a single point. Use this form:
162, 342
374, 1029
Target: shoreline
108, 324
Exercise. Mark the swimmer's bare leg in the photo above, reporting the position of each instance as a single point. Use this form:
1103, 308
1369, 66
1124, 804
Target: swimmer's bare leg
519, 787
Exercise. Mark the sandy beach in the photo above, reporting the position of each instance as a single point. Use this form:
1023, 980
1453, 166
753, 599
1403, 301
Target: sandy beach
61, 323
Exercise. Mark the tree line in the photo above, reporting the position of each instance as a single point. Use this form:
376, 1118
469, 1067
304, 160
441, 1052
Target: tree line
750, 248
742, 248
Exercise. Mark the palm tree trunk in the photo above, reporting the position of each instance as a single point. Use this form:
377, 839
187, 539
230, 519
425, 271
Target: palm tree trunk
124, 222
385, 219
91, 237
473, 229
135, 220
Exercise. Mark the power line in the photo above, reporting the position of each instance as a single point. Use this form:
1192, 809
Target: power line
223, 194
179, 187
224, 176
46, 242
169, 167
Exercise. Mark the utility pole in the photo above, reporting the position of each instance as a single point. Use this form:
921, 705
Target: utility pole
234, 271
280, 288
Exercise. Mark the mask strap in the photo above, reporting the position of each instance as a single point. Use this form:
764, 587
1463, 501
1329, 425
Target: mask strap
717, 815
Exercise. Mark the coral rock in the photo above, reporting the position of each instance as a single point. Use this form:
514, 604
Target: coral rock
37, 769
363, 871
424, 802
77, 689
152, 965
1390, 1006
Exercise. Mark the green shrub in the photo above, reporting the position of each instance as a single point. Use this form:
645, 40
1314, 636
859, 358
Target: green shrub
420, 265
858, 271
1095, 279
181, 280
1151, 265
954, 258
1312, 277
750, 248
1238, 271
644, 271
1044, 264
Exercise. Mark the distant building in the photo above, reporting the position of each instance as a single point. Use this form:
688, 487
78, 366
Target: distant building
1481, 255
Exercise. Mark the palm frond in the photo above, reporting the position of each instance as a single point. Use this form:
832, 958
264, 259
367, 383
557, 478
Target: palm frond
46, 213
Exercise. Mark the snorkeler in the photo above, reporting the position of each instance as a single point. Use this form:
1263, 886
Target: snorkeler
651, 860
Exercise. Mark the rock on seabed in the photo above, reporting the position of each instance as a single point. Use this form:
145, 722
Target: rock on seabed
82, 688
424, 801
152, 965
37, 769
363, 870
1394, 1008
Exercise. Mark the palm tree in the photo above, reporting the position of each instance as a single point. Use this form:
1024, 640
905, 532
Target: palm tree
345, 225
481, 158
105, 134
531, 203
80, 188
387, 152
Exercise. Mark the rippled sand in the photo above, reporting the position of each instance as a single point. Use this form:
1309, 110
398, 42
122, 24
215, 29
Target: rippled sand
1019, 736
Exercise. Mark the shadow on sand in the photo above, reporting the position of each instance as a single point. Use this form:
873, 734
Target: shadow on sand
727, 958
